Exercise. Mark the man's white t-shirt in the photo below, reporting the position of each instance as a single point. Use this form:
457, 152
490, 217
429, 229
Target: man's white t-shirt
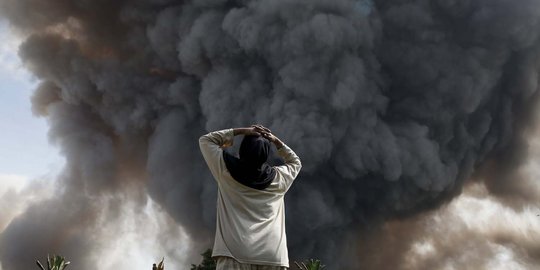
250, 223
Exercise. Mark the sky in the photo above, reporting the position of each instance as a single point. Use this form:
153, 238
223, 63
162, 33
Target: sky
26, 153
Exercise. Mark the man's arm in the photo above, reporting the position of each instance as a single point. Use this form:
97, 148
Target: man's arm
211, 145
292, 165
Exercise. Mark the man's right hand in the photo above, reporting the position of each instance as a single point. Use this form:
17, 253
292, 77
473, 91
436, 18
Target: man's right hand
260, 128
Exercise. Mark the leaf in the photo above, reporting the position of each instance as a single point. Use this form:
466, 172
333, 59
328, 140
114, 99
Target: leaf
57, 262
40, 265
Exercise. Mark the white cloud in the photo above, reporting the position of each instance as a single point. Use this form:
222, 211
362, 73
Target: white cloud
12, 181
17, 192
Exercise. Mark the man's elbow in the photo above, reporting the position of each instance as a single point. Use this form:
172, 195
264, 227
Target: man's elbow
299, 164
203, 140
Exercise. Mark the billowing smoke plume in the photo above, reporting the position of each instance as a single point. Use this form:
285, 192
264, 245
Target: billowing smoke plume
391, 106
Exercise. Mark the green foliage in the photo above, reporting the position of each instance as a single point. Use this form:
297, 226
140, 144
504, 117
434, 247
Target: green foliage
310, 265
207, 264
160, 265
55, 263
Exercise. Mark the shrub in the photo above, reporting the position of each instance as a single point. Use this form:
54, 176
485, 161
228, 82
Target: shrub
55, 263
207, 264
310, 265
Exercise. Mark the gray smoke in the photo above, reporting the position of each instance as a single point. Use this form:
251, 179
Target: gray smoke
391, 106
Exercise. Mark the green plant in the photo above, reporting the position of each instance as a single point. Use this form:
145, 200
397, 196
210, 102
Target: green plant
55, 263
310, 265
207, 264
160, 265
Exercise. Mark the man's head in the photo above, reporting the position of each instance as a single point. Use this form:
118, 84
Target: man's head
251, 169
254, 150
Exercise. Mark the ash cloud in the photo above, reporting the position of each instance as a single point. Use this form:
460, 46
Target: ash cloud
392, 106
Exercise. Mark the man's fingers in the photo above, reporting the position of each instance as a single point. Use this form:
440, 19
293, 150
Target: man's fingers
268, 136
266, 129
256, 130
261, 127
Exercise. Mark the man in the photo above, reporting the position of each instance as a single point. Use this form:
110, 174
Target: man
250, 227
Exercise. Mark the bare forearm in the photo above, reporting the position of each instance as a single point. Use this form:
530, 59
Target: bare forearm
242, 131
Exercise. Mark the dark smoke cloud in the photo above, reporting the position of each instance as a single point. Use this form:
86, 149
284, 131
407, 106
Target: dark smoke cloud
391, 105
